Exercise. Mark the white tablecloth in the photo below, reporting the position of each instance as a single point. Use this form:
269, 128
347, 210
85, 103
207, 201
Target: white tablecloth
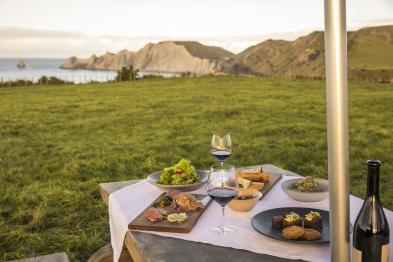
126, 203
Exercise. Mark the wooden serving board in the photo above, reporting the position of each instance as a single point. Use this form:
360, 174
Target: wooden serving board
141, 223
273, 179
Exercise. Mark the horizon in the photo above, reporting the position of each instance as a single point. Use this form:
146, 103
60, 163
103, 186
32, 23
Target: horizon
60, 29
288, 37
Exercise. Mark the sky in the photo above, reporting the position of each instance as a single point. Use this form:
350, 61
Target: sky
60, 28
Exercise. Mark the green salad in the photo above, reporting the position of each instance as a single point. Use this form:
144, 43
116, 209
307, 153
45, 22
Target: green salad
183, 173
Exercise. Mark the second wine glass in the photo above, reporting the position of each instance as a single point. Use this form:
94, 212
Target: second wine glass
221, 147
222, 187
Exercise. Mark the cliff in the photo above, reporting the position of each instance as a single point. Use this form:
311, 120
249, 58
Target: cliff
166, 56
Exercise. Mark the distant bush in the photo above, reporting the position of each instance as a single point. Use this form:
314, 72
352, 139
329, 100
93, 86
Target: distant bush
52, 80
44, 80
127, 74
152, 76
186, 74
16, 83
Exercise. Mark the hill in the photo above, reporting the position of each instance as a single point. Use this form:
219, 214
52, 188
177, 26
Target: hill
204, 51
168, 56
370, 55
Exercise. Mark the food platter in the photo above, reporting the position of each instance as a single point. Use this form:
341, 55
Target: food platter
273, 178
262, 222
203, 175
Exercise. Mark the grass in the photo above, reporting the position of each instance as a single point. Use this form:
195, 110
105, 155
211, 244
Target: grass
58, 143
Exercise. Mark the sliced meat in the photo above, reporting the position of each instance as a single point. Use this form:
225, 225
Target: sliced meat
163, 212
173, 194
154, 214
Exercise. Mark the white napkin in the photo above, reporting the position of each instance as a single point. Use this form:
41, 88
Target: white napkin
126, 203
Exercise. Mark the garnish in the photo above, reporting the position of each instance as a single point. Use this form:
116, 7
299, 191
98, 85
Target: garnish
306, 184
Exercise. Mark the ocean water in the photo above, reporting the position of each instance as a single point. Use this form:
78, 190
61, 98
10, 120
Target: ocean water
35, 68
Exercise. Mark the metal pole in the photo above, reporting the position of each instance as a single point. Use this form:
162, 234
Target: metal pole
337, 127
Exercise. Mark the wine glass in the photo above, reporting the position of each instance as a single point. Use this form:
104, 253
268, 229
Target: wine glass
221, 147
222, 188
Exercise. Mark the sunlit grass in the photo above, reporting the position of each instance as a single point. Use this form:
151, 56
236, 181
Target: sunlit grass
58, 143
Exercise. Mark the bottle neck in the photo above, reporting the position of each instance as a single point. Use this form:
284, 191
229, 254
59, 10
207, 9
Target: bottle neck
373, 181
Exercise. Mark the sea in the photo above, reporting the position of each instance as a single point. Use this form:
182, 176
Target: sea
38, 67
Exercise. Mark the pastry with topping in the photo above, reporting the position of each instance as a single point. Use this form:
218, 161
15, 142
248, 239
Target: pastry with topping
292, 219
313, 220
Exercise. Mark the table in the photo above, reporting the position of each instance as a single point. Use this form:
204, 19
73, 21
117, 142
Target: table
147, 247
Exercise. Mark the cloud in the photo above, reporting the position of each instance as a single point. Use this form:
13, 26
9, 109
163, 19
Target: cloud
25, 42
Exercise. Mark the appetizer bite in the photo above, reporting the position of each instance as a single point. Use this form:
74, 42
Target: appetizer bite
292, 219
313, 220
253, 179
277, 221
254, 176
257, 185
294, 227
295, 232
292, 232
183, 173
311, 234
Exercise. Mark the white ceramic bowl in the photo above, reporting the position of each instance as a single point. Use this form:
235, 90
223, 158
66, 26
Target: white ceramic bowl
323, 185
246, 204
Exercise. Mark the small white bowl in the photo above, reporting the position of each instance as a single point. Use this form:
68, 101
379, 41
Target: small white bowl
323, 184
246, 204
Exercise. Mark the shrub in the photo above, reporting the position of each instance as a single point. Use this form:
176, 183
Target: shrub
127, 74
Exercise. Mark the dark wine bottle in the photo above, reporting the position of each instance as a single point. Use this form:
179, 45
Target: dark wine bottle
371, 230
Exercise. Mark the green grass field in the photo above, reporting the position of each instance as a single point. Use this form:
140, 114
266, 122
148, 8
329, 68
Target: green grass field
58, 142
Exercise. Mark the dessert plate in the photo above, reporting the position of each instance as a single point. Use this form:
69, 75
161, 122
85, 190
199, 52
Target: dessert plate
262, 222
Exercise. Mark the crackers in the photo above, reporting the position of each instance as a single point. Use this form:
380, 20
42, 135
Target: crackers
292, 232
311, 234
296, 232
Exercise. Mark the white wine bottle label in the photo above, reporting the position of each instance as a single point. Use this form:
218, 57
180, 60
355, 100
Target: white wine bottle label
357, 254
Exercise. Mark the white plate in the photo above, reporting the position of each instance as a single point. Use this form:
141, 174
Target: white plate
287, 187
203, 175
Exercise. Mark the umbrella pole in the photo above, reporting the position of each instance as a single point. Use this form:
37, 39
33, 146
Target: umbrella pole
337, 127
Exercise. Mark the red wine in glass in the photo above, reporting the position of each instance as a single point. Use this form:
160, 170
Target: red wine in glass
222, 188
222, 195
221, 155
221, 147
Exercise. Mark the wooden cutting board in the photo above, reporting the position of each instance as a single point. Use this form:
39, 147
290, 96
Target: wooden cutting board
141, 223
273, 179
